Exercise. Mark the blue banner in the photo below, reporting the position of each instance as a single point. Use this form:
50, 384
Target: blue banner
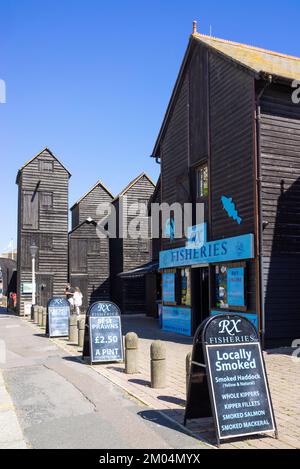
168, 282
224, 250
235, 286
178, 320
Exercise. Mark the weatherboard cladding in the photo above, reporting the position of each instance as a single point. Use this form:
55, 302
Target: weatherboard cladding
280, 168
88, 205
212, 119
89, 263
52, 264
127, 253
174, 155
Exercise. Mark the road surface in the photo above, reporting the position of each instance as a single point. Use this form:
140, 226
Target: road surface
62, 403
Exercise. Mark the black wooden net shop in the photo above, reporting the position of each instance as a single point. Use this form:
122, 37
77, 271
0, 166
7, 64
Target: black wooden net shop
88, 254
43, 186
230, 139
127, 253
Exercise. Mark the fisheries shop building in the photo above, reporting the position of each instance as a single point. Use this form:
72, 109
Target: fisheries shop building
230, 139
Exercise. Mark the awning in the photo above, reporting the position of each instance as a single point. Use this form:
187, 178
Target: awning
140, 271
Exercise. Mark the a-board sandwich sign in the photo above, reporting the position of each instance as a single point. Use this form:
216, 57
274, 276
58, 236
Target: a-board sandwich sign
235, 378
58, 316
103, 340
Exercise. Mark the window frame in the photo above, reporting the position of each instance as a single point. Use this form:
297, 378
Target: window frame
199, 184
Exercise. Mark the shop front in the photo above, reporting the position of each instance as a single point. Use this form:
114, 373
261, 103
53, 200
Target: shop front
207, 280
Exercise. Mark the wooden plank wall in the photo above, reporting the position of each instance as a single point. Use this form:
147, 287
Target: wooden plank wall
87, 207
280, 165
232, 172
175, 157
53, 222
128, 253
89, 264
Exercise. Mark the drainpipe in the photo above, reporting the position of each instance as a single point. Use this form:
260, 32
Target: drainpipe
269, 80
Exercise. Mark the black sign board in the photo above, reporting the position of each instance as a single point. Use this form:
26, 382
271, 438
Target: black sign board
228, 375
58, 315
103, 341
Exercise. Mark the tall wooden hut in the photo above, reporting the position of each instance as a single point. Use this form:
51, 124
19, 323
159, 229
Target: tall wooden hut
128, 254
89, 267
43, 184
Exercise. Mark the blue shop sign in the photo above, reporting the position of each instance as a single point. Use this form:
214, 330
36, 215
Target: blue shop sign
252, 317
236, 286
224, 250
176, 320
168, 282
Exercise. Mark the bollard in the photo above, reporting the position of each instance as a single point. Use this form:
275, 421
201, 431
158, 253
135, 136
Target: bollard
81, 329
40, 315
158, 364
131, 353
188, 365
44, 317
36, 314
73, 330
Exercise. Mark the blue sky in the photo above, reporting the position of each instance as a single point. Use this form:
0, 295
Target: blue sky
91, 80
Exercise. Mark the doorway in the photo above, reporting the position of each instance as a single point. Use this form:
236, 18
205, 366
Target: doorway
200, 296
44, 289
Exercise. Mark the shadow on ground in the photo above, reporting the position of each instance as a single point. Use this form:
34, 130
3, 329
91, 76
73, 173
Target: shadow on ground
148, 328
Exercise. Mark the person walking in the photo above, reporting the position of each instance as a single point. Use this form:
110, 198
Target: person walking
77, 297
69, 293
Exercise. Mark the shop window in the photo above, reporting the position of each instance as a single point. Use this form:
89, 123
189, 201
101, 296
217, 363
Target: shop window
202, 181
185, 287
230, 286
169, 287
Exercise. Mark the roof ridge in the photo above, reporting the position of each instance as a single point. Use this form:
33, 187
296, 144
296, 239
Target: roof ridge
45, 149
131, 183
239, 44
99, 182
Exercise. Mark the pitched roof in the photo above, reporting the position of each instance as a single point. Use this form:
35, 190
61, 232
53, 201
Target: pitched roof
132, 183
88, 221
257, 59
45, 150
98, 184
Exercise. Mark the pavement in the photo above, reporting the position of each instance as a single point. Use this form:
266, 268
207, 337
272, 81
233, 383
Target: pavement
283, 374
50, 399
44, 377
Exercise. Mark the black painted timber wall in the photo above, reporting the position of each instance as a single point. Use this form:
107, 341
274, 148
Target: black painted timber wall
280, 166
212, 120
89, 263
43, 219
127, 253
88, 205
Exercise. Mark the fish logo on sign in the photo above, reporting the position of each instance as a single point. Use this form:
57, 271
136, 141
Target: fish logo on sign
230, 208
229, 326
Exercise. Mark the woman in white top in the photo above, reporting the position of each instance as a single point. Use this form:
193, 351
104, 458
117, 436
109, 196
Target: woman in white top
77, 298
